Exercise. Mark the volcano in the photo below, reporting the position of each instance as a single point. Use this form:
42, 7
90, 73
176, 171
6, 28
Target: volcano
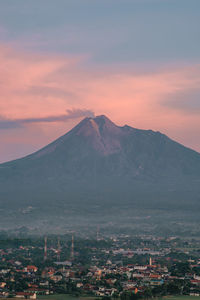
99, 167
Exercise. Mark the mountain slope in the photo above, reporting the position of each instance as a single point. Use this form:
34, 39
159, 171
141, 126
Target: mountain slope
99, 163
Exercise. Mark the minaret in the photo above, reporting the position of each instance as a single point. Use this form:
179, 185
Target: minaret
150, 261
72, 247
58, 250
98, 233
45, 248
66, 246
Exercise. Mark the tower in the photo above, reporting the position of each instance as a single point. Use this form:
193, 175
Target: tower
58, 250
150, 261
72, 247
98, 233
45, 248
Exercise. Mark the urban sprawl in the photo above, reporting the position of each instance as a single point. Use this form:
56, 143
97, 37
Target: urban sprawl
123, 266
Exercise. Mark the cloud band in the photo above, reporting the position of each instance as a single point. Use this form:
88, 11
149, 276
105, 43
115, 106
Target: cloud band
70, 114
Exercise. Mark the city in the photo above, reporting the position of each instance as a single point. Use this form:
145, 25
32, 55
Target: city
125, 267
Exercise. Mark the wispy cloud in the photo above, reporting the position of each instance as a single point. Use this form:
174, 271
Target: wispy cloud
9, 124
70, 114
186, 101
49, 91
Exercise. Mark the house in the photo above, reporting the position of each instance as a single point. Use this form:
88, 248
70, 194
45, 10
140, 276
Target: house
56, 278
195, 294
26, 295
140, 268
2, 284
30, 269
38, 291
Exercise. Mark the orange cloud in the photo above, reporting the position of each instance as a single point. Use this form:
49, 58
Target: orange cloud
39, 86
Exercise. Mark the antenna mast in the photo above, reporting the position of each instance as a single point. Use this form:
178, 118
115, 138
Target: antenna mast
45, 248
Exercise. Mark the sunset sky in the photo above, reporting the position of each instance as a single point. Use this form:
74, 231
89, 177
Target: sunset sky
136, 61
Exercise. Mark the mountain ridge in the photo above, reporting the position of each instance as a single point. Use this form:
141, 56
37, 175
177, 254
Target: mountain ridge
100, 164
92, 121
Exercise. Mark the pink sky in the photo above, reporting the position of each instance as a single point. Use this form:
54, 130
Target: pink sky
39, 86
